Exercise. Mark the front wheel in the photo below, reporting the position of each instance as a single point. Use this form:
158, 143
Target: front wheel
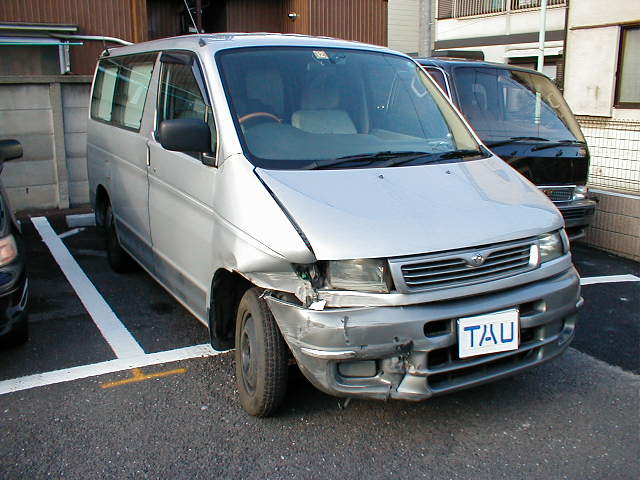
261, 357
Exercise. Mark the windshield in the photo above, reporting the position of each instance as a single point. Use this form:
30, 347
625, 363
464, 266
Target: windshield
501, 104
297, 107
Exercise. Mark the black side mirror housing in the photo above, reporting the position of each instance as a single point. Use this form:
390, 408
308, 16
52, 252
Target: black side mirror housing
10, 149
185, 135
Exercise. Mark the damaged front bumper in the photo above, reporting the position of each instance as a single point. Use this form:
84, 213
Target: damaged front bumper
411, 352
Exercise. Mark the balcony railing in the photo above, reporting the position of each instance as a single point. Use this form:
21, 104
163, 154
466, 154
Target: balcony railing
467, 8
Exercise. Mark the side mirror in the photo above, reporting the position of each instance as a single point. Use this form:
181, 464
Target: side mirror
185, 135
10, 149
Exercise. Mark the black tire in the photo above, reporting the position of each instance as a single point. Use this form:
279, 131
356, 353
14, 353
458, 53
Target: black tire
119, 260
18, 336
261, 357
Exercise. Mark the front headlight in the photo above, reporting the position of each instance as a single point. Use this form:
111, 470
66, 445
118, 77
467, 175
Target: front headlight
8, 250
364, 275
551, 246
580, 192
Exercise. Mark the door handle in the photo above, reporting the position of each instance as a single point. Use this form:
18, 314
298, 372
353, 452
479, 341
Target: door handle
148, 156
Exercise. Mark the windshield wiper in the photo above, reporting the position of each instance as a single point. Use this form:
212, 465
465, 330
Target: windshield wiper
558, 143
514, 140
461, 154
437, 157
366, 157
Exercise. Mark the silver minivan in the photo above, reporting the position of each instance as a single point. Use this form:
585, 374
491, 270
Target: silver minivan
321, 202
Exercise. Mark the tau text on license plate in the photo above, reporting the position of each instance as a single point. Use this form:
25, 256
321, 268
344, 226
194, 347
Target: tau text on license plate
488, 333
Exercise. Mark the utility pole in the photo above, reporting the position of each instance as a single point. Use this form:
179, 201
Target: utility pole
426, 24
543, 27
199, 15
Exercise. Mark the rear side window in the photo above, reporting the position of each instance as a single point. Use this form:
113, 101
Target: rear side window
120, 90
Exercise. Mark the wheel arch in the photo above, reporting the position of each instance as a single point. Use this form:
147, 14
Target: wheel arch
227, 288
102, 200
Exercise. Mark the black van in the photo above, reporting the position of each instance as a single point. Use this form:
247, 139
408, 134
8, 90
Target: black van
522, 117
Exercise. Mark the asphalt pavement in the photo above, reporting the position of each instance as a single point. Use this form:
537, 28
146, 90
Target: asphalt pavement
575, 417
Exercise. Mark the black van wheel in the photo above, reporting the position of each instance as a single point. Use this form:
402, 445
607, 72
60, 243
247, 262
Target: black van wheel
119, 260
261, 357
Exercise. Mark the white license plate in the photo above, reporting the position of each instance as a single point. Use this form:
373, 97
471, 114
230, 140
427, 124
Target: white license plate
488, 333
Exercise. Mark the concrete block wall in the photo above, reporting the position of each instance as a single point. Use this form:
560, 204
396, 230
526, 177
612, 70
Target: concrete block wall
47, 114
26, 115
616, 224
75, 103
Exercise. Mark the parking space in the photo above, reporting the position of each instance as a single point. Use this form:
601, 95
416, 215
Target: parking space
163, 412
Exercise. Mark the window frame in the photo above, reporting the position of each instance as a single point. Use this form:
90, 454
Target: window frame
201, 80
617, 103
118, 88
445, 77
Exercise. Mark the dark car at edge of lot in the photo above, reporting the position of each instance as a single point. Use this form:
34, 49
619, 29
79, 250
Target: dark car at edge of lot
14, 328
520, 115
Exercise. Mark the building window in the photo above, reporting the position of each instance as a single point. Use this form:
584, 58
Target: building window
628, 75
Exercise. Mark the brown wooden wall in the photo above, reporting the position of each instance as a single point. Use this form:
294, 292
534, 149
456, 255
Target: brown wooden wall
112, 18
140, 20
163, 18
302, 24
361, 20
254, 16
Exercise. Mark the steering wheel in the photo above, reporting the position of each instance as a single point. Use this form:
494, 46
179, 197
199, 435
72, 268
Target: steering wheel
249, 116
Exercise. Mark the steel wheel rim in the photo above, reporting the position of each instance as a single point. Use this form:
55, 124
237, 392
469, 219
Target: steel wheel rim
248, 354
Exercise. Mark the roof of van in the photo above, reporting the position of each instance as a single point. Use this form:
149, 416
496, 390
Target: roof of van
447, 63
221, 41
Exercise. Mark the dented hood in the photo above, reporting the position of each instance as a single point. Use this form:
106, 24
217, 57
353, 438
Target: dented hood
390, 212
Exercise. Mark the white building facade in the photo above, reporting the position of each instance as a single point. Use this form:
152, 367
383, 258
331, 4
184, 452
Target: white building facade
506, 31
603, 58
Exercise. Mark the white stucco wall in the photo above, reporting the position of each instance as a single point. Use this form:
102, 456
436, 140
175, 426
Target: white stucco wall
592, 56
404, 25
507, 23
600, 12
498, 24
590, 69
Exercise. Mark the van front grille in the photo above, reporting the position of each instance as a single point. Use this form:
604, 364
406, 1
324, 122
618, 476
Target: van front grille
463, 267
563, 194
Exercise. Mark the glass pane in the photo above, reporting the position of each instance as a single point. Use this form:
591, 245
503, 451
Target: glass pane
134, 75
629, 78
121, 89
102, 101
501, 103
438, 76
181, 97
135, 92
295, 106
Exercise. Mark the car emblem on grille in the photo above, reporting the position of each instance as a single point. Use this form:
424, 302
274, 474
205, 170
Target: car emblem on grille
477, 260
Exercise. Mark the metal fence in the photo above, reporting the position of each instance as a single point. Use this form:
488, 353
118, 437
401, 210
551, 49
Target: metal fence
615, 153
467, 8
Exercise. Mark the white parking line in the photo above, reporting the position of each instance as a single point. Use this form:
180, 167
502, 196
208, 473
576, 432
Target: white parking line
117, 336
609, 279
110, 366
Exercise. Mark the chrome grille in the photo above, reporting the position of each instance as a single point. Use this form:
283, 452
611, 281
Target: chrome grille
564, 194
455, 269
